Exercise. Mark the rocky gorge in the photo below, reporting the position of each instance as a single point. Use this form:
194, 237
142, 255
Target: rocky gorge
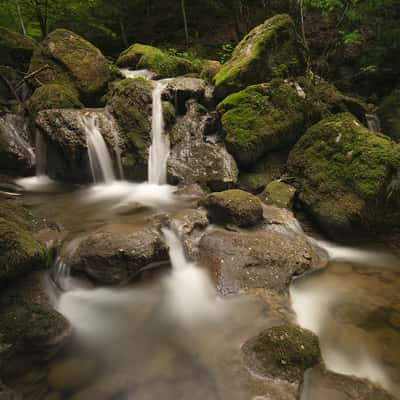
170, 241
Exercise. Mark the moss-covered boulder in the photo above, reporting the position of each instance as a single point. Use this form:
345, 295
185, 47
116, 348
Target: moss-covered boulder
279, 193
164, 65
130, 101
347, 176
234, 207
264, 118
15, 49
283, 352
20, 253
270, 50
72, 60
53, 95
389, 113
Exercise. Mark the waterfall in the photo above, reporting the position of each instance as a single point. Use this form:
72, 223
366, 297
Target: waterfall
140, 73
159, 149
100, 160
374, 123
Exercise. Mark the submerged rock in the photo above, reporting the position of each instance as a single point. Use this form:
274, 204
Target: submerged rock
130, 102
72, 61
111, 258
283, 352
279, 193
234, 207
31, 330
270, 50
52, 96
15, 49
343, 172
164, 65
16, 155
197, 156
66, 149
389, 113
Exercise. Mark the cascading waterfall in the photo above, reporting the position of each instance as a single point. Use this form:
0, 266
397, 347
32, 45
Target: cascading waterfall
100, 160
159, 149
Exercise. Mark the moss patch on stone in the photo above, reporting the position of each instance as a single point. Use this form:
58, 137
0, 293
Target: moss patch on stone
270, 50
285, 351
234, 207
53, 96
279, 194
164, 65
346, 174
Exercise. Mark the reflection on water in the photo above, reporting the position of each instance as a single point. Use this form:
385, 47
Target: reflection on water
354, 307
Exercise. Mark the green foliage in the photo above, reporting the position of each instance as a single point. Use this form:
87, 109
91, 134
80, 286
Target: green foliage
225, 52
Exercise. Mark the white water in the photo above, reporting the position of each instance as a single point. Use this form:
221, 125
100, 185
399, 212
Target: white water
101, 163
159, 149
140, 73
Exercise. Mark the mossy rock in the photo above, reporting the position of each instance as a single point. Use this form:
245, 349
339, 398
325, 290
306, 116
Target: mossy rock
234, 207
209, 70
283, 352
268, 51
72, 60
389, 113
164, 65
52, 96
264, 118
130, 101
15, 49
279, 194
347, 176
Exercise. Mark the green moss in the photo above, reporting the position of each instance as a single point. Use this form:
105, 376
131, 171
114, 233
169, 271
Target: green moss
21, 216
164, 65
344, 172
15, 49
279, 193
389, 113
287, 351
268, 51
53, 96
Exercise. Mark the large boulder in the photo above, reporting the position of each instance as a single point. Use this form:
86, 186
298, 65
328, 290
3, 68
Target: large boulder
266, 117
53, 95
107, 257
389, 113
73, 61
64, 133
347, 176
15, 49
234, 207
197, 154
31, 330
20, 253
283, 352
270, 50
16, 155
130, 102
164, 65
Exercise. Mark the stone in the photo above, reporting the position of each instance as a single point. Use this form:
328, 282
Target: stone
279, 193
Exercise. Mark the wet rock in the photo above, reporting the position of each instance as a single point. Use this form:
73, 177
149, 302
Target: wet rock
72, 61
65, 138
16, 155
268, 51
283, 352
130, 102
234, 207
342, 171
320, 383
181, 89
15, 49
111, 258
197, 155
164, 65
268, 257
31, 330
279, 193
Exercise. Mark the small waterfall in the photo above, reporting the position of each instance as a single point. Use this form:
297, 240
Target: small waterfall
159, 149
100, 160
374, 123
61, 273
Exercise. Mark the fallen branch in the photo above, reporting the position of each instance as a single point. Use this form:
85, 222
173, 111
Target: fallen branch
32, 75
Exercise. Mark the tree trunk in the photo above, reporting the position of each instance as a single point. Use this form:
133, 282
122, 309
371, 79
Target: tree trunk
123, 34
21, 21
185, 22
